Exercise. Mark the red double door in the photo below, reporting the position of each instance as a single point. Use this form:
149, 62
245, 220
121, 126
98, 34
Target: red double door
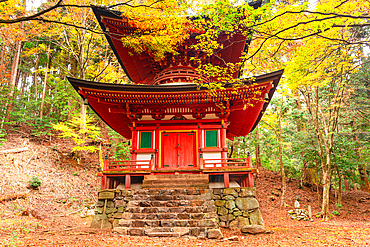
178, 149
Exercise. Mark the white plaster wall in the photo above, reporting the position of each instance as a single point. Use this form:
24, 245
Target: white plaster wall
144, 156
212, 155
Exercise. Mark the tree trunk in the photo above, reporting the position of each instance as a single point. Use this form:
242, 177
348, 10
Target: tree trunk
365, 186
282, 171
258, 157
339, 185
326, 170
45, 81
12, 81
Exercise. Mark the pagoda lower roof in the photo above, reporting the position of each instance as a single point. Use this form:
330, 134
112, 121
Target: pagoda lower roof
242, 106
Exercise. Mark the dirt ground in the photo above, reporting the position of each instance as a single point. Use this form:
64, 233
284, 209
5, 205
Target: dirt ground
51, 215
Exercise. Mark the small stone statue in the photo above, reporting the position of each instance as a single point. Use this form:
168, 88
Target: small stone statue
296, 203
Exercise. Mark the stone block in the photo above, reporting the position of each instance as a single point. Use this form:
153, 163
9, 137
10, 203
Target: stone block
133, 203
184, 203
227, 218
124, 223
152, 223
197, 216
151, 216
98, 210
217, 191
141, 192
145, 204
239, 222
110, 210
216, 197
167, 223
149, 210
214, 234
126, 216
193, 210
127, 193
220, 203
208, 223
222, 211
138, 223
121, 230
230, 204
183, 231
253, 229
183, 216
228, 198
210, 209
138, 216
120, 209
163, 210
172, 203
247, 203
166, 216
237, 213
119, 203
256, 218
141, 197
176, 210
117, 215
136, 231
110, 204
247, 192
231, 191
195, 231
100, 203
181, 223
115, 223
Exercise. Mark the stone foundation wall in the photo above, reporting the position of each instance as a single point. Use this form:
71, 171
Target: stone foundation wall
116, 203
237, 207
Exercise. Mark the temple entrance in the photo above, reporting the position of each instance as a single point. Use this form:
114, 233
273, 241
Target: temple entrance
178, 149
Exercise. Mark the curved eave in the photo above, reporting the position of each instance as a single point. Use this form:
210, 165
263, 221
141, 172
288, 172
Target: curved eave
242, 121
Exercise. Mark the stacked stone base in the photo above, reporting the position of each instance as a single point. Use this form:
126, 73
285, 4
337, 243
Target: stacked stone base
176, 212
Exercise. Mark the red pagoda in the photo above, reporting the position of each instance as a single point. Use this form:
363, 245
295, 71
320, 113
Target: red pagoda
175, 127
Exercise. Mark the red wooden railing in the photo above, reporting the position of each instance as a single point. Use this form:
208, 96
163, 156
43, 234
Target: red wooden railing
121, 165
226, 163
204, 164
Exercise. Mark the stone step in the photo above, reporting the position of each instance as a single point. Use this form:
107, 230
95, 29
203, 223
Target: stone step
171, 203
175, 191
163, 231
163, 216
172, 197
209, 223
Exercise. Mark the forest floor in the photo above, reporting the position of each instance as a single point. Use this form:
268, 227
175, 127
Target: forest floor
51, 215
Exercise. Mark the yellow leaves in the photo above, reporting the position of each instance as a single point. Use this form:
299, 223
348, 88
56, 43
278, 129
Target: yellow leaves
81, 131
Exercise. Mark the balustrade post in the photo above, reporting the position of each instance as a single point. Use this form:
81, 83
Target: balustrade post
201, 161
105, 165
151, 162
249, 160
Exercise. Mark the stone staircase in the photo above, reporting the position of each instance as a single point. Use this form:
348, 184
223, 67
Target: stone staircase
176, 181
182, 207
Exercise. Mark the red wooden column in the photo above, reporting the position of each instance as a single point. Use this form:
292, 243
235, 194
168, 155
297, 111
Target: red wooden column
104, 182
226, 180
250, 179
223, 141
134, 144
110, 183
127, 182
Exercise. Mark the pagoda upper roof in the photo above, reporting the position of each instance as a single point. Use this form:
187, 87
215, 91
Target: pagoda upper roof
144, 69
119, 104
